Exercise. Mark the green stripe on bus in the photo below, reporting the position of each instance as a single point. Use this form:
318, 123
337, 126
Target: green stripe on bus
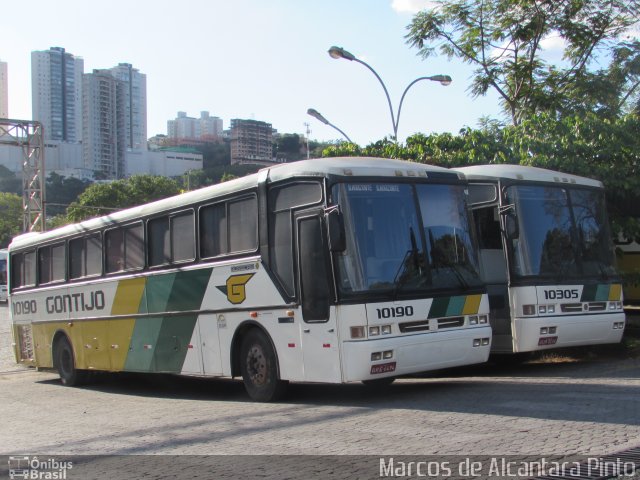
439, 307
595, 293
173, 342
456, 305
188, 290
142, 349
160, 344
158, 290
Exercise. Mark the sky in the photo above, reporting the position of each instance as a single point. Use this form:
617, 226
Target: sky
253, 59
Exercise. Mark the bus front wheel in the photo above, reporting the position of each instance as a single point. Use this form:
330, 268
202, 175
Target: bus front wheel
259, 368
66, 365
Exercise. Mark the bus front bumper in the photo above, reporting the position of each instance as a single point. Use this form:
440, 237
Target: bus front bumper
542, 333
415, 353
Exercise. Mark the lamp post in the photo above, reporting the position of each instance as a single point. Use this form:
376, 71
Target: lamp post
339, 52
318, 116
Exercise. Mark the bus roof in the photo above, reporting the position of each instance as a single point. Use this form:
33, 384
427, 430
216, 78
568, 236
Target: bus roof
320, 167
524, 173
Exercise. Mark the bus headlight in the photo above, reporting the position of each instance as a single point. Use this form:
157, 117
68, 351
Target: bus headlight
473, 320
373, 331
357, 332
483, 319
386, 329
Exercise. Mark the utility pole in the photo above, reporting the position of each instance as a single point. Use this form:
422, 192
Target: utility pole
29, 137
308, 132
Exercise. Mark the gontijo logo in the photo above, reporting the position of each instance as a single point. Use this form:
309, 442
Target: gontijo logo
235, 289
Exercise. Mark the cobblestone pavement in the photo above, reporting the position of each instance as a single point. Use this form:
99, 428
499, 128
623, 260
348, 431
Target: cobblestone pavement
586, 408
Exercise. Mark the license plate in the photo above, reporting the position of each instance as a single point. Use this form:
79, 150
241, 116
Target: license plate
547, 341
383, 368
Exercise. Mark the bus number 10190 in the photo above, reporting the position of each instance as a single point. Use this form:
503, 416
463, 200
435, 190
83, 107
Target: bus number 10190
395, 312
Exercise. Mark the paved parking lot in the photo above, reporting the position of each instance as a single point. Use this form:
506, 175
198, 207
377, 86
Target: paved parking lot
587, 408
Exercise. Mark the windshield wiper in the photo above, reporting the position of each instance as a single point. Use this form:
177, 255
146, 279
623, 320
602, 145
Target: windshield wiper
399, 280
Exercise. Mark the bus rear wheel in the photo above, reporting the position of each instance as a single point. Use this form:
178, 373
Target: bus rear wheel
259, 368
66, 364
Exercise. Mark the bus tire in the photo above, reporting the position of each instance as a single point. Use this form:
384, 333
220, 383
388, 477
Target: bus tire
65, 363
259, 367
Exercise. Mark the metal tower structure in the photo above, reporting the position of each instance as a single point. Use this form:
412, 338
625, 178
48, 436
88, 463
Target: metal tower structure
29, 137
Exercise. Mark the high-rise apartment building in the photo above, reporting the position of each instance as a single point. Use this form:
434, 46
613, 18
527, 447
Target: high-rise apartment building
188, 128
251, 142
4, 90
114, 118
135, 103
104, 127
56, 82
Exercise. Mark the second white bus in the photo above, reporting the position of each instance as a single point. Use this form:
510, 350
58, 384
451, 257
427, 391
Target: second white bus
547, 257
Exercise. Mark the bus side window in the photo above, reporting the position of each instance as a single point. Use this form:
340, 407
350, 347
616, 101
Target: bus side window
23, 270
85, 256
158, 240
124, 248
51, 264
229, 227
283, 200
183, 237
313, 271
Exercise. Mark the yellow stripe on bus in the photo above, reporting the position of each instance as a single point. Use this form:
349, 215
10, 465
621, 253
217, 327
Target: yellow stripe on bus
472, 304
614, 292
128, 296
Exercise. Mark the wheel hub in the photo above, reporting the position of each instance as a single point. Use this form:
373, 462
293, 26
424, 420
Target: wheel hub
257, 365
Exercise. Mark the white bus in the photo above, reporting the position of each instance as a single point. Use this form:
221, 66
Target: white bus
547, 258
3, 275
628, 262
327, 270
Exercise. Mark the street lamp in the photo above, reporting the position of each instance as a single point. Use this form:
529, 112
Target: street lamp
318, 116
339, 52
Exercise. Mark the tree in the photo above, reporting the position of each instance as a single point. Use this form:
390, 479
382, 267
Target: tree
10, 217
503, 40
103, 198
61, 191
9, 182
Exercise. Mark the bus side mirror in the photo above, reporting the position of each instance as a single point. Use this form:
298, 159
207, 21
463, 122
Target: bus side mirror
336, 233
511, 226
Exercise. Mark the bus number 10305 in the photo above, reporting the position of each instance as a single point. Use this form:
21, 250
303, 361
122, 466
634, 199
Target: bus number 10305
395, 312
561, 294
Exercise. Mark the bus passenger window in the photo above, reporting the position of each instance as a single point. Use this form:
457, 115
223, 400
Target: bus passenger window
134, 247
183, 241
85, 256
94, 255
114, 246
51, 261
213, 230
23, 270
243, 225
158, 239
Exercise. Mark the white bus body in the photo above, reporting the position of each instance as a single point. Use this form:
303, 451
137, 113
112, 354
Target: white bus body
546, 256
328, 270
3, 276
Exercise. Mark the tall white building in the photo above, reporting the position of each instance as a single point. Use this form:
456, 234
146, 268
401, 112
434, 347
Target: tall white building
4, 90
114, 118
56, 82
104, 127
135, 104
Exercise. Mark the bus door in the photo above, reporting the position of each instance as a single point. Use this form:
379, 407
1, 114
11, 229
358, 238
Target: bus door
321, 352
487, 219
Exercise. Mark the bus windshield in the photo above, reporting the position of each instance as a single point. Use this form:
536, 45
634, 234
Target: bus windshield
405, 239
562, 232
